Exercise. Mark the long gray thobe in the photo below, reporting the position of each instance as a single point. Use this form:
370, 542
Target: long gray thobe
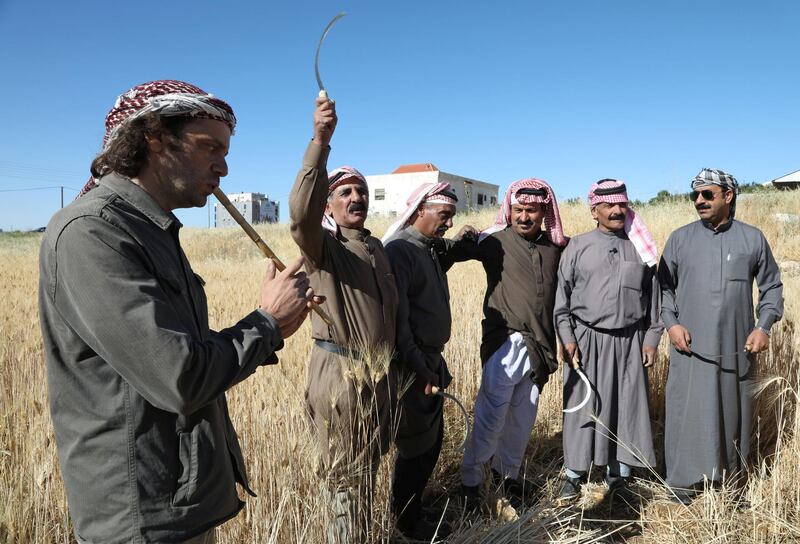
607, 302
707, 286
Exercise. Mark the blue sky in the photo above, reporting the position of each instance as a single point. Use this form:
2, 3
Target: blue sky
568, 91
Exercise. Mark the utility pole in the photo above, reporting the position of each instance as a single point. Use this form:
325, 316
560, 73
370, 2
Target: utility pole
62, 196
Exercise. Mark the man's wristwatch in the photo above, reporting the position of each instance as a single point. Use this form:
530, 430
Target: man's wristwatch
765, 331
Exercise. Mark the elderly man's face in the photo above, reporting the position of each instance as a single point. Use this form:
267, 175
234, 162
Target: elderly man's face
610, 217
349, 204
713, 203
526, 219
190, 165
433, 220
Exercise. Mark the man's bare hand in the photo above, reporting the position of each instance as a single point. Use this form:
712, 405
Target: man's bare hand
287, 296
324, 121
467, 232
680, 338
649, 356
757, 341
571, 351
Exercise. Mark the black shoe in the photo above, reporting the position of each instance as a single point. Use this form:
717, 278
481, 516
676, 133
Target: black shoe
471, 495
523, 491
682, 496
425, 530
570, 489
618, 490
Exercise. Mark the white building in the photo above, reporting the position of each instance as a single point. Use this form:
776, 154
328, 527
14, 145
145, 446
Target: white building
388, 192
255, 207
789, 181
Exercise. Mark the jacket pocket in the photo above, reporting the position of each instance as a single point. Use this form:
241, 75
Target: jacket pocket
188, 468
631, 275
737, 267
199, 279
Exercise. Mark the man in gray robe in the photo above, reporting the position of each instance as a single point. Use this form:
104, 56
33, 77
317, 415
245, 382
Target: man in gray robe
707, 272
420, 258
607, 315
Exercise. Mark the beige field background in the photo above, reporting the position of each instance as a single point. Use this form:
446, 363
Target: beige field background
267, 411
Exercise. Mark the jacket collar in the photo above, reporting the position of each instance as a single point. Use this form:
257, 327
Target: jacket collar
139, 199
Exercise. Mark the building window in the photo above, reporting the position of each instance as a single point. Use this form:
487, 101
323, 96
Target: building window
494, 201
481, 199
380, 194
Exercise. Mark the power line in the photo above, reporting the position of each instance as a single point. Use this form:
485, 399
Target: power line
35, 172
38, 188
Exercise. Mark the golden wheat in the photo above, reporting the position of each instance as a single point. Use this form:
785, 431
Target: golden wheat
268, 411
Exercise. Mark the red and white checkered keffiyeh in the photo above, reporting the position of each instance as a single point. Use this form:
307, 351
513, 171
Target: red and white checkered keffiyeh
429, 193
552, 219
168, 98
634, 228
344, 175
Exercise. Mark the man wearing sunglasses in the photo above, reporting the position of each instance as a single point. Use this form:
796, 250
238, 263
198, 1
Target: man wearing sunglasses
706, 273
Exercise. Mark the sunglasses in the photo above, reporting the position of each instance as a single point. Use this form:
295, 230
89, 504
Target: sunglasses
707, 194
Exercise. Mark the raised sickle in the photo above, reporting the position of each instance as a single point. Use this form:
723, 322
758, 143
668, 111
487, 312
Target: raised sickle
436, 391
322, 92
576, 366
268, 253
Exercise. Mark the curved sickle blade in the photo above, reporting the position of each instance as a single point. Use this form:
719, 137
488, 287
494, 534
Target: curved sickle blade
463, 411
588, 387
319, 46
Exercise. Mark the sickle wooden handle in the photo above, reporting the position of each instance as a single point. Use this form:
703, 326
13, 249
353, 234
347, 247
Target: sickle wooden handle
262, 245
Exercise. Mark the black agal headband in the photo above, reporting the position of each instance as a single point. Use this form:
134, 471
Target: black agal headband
605, 191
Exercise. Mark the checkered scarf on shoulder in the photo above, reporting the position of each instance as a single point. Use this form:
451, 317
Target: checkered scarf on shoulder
529, 191
168, 98
612, 191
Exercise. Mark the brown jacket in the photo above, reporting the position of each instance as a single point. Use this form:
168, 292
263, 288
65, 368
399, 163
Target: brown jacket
521, 278
352, 270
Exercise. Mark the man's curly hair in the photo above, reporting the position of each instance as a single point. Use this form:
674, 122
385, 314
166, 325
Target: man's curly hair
127, 152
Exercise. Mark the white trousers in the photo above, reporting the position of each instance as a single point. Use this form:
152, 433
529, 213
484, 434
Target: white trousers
505, 411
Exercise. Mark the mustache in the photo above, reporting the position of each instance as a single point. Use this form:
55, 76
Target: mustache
616, 217
702, 207
356, 207
527, 223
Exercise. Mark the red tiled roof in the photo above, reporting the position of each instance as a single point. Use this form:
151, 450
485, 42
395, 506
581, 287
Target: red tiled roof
421, 167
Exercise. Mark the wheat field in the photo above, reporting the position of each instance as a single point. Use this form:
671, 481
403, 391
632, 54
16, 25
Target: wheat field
268, 412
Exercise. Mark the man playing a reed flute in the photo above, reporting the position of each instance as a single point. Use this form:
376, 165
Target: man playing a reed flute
136, 377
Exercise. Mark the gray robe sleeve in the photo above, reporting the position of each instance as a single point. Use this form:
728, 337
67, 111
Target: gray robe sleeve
770, 288
656, 327
561, 311
668, 279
